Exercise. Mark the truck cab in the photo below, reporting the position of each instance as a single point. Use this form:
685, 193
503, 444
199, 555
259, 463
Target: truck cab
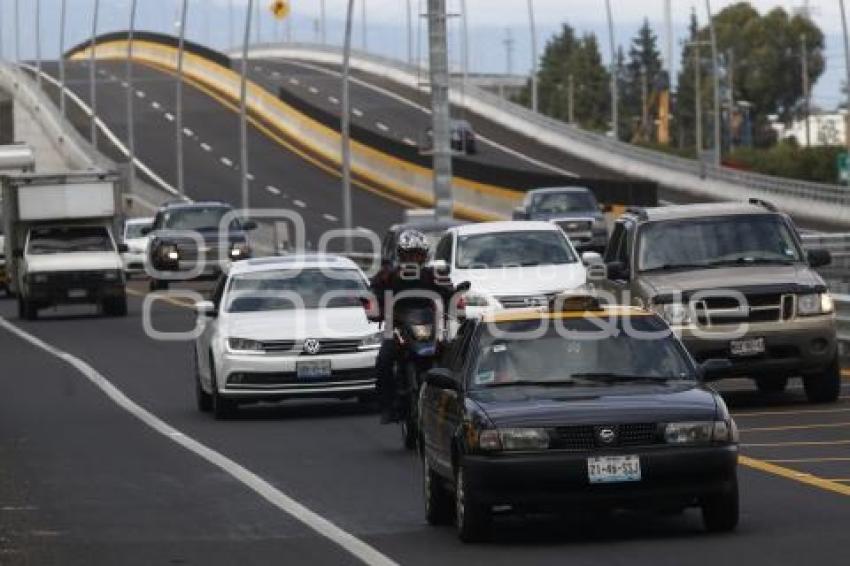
60, 242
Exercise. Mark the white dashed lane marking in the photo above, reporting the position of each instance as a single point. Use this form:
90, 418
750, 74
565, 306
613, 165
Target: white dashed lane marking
155, 105
227, 161
333, 100
383, 127
357, 112
409, 141
169, 116
140, 93
294, 81
330, 217
250, 176
313, 90
189, 133
273, 190
206, 147
300, 203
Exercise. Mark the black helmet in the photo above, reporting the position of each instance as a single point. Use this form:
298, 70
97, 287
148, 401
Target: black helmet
412, 241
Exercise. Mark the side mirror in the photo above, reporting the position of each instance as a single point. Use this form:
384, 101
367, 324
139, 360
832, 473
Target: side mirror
819, 258
147, 230
714, 369
441, 378
441, 266
617, 270
123, 248
591, 258
249, 226
464, 287
18, 253
206, 309
520, 213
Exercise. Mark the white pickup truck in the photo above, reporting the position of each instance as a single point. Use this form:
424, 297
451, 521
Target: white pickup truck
60, 247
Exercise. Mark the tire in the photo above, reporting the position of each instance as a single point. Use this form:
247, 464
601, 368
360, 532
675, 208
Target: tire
222, 409
115, 307
720, 513
410, 423
409, 433
472, 520
771, 385
438, 500
203, 399
825, 386
158, 285
26, 309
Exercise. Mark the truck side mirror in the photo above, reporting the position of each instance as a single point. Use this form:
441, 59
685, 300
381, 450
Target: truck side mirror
819, 258
617, 270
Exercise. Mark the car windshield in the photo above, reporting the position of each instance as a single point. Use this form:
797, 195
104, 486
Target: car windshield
134, 230
712, 242
563, 203
579, 351
60, 240
198, 218
293, 289
513, 249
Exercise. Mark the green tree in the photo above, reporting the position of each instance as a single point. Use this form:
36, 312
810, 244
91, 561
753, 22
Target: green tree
644, 64
684, 126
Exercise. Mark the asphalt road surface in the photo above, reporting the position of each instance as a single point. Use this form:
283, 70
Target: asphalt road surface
89, 477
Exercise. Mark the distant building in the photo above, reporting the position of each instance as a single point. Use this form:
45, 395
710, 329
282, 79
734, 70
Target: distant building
824, 129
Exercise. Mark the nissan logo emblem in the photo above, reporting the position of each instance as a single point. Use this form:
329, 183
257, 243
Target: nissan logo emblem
312, 346
607, 435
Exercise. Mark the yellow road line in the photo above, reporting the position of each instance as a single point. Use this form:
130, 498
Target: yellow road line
807, 460
808, 479
176, 302
801, 443
801, 412
795, 427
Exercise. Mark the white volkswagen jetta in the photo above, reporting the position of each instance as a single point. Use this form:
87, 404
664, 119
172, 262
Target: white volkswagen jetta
510, 265
285, 327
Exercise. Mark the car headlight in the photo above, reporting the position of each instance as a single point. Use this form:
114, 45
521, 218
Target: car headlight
240, 251
169, 252
815, 303
422, 331
513, 439
701, 432
372, 342
244, 345
675, 314
474, 300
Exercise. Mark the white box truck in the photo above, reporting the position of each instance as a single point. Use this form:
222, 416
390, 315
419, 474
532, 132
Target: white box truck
19, 158
60, 243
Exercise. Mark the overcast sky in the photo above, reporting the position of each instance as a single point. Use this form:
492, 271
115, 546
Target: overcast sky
490, 21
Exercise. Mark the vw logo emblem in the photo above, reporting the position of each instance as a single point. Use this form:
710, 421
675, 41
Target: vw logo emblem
607, 435
312, 346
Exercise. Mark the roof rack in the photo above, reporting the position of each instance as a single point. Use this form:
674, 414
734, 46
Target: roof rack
763, 203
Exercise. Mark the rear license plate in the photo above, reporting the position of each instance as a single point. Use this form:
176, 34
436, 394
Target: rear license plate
747, 347
613, 469
77, 293
313, 370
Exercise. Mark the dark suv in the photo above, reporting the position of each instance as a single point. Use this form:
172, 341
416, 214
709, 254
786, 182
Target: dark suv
734, 281
194, 241
574, 209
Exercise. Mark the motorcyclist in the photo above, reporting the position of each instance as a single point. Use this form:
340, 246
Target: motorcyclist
412, 274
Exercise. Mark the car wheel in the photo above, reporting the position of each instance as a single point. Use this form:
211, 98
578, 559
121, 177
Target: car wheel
222, 409
472, 519
115, 307
408, 433
438, 500
202, 398
771, 384
720, 513
27, 309
824, 387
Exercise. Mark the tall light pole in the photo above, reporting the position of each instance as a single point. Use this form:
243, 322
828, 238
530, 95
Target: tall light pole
243, 111
231, 12
181, 55
615, 119
410, 31
62, 9
464, 20
38, 42
93, 74
345, 127
668, 31
324, 16
131, 131
847, 71
440, 109
18, 31
365, 26
534, 79
716, 72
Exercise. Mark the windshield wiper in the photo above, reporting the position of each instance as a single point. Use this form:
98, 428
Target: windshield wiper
754, 261
670, 266
541, 382
608, 377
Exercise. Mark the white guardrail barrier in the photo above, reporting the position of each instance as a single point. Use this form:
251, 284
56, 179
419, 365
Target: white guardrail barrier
812, 201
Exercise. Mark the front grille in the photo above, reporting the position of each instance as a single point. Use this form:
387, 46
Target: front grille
575, 226
190, 252
270, 379
586, 437
763, 307
328, 346
70, 279
524, 301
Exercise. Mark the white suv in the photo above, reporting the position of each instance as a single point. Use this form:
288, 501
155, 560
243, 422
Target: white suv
285, 327
509, 265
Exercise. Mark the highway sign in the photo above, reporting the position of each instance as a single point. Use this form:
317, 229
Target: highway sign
843, 164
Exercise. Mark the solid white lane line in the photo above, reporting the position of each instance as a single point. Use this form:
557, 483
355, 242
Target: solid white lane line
345, 540
357, 112
169, 116
273, 190
300, 203
330, 218
276, 74
333, 100
383, 127
206, 147
227, 161
258, 68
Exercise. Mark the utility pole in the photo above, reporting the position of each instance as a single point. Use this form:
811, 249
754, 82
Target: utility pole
717, 115
62, 18
614, 72
364, 24
804, 58
93, 74
847, 79
730, 70
534, 78
243, 111
644, 105
668, 27
571, 99
695, 45
439, 64
131, 132
508, 42
231, 21
347, 214
181, 52
17, 31
38, 43
409, 32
